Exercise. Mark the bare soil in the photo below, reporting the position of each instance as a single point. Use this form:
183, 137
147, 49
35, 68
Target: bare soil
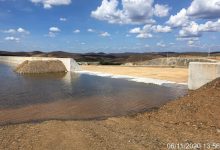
194, 118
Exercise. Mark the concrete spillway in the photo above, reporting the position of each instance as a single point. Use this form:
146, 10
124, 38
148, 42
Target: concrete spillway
70, 64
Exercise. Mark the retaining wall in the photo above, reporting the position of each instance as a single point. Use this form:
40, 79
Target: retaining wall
70, 64
202, 73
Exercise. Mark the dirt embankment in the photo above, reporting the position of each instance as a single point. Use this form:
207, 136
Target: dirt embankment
30, 67
194, 118
175, 61
172, 74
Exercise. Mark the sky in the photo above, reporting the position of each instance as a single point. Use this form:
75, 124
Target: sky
110, 26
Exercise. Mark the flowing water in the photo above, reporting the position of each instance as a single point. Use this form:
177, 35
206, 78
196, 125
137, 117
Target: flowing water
70, 96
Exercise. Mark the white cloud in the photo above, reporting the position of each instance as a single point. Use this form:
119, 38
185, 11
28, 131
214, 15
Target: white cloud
128, 35
191, 42
161, 44
105, 34
76, 31
187, 17
187, 39
161, 10
178, 20
107, 11
204, 9
54, 29
51, 34
10, 31
138, 11
146, 31
63, 19
19, 30
135, 30
91, 30
146, 46
190, 31
196, 30
144, 35
11, 38
49, 3
161, 29
210, 26
132, 12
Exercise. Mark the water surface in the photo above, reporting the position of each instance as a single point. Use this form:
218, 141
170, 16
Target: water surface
70, 96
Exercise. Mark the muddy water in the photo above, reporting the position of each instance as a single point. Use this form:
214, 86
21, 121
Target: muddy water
30, 98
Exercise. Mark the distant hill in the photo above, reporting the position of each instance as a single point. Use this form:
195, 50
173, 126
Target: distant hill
110, 58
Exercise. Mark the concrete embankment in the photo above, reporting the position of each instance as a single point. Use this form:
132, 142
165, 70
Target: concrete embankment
70, 64
202, 73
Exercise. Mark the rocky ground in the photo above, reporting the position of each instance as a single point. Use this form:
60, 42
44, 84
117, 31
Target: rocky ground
194, 118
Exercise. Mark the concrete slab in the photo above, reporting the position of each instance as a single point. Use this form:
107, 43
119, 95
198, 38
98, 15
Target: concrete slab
202, 73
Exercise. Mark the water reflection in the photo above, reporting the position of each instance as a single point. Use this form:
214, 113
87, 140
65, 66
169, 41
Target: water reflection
26, 98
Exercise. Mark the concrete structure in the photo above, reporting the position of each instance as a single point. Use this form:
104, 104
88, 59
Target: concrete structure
69, 63
202, 73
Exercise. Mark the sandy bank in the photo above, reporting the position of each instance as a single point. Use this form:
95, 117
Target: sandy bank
194, 118
160, 82
179, 75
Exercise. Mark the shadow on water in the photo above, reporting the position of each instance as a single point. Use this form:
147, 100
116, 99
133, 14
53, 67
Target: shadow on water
70, 96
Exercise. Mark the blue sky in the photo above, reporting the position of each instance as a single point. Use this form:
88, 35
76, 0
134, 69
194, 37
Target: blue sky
109, 25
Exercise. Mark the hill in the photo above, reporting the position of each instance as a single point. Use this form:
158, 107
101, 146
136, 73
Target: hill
109, 58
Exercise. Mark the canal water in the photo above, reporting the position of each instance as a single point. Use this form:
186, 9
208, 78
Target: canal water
70, 96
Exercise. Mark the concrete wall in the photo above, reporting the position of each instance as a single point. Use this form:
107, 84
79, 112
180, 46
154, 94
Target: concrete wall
202, 73
70, 64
